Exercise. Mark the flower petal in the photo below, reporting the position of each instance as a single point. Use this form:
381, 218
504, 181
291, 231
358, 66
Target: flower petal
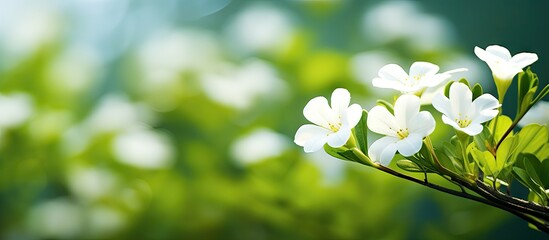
383, 150
504, 71
423, 124
381, 121
436, 80
485, 116
442, 104
340, 100
522, 60
460, 99
472, 129
482, 54
339, 138
486, 101
392, 72
410, 145
390, 76
354, 113
423, 69
485, 108
499, 51
446, 120
311, 137
406, 107
491, 59
456, 71
319, 112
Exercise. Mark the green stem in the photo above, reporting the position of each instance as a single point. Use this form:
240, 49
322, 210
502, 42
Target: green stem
463, 194
464, 142
535, 214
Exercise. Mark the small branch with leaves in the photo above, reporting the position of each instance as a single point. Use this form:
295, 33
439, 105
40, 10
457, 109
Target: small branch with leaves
486, 154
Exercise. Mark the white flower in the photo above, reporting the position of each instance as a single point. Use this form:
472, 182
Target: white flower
422, 75
403, 132
333, 124
503, 66
464, 114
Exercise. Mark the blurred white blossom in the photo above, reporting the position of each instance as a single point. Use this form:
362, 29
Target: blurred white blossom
15, 109
60, 218
260, 28
90, 183
539, 114
117, 113
171, 63
27, 27
365, 65
143, 148
331, 168
113, 114
74, 71
240, 87
168, 53
103, 221
258, 145
403, 20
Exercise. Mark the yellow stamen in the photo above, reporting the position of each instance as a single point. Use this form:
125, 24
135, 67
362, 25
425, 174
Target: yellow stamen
334, 127
403, 133
463, 122
418, 77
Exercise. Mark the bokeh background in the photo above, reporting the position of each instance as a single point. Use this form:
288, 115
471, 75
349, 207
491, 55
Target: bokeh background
174, 119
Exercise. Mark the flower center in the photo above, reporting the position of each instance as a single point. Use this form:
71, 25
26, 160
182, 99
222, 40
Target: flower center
334, 127
463, 122
403, 133
418, 77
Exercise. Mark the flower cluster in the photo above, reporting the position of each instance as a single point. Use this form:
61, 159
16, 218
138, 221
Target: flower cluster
405, 129
487, 152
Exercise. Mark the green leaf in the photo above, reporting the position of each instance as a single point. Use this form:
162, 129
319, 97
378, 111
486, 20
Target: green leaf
447, 89
543, 153
334, 152
361, 133
531, 165
409, 166
499, 126
541, 94
527, 81
543, 173
533, 197
464, 81
523, 177
477, 90
526, 102
450, 156
506, 151
530, 172
386, 104
423, 160
482, 140
350, 155
486, 162
532, 138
